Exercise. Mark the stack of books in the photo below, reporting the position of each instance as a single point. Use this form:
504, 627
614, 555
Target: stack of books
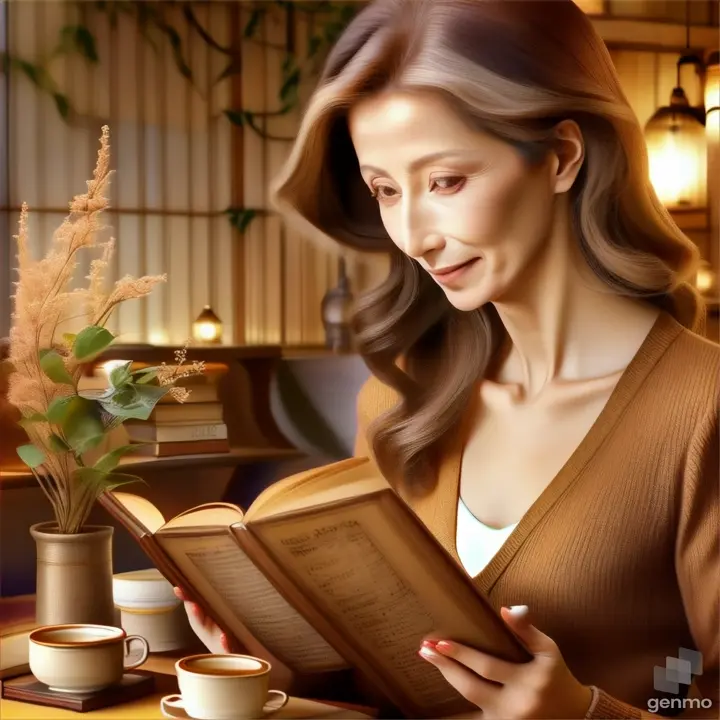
194, 427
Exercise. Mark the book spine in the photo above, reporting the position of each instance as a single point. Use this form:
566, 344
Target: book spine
172, 449
176, 433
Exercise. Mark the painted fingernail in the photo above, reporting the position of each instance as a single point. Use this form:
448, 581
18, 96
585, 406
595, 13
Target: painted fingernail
177, 592
196, 610
426, 652
518, 610
444, 646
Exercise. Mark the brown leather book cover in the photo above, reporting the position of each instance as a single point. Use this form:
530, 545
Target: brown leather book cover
133, 685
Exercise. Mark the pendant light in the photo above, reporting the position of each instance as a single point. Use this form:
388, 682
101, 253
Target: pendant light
207, 328
677, 146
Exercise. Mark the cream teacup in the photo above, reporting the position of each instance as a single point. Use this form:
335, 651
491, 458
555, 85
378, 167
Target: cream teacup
223, 687
82, 658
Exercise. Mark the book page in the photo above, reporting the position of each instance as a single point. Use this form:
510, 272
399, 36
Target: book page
244, 598
140, 510
381, 579
339, 480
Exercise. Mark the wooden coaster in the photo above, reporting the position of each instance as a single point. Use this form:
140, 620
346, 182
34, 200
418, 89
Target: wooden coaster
27, 689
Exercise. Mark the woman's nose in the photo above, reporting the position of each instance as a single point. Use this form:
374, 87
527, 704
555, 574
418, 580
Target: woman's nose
418, 236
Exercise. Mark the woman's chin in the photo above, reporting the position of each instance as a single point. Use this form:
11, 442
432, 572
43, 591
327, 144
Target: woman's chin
469, 299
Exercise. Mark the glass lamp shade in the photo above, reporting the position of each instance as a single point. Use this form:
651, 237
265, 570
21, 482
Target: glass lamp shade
207, 328
712, 95
677, 153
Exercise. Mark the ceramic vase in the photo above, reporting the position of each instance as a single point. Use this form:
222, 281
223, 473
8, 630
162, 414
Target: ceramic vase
74, 575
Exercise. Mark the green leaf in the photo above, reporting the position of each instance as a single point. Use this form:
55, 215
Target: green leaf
54, 367
31, 455
62, 103
57, 444
137, 405
82, 425
58, 408
91, 341
78, 37
290, 86
109, 461
241, 218
314, 46
252, 24
120, 375
237, 117
101, 481
145, 375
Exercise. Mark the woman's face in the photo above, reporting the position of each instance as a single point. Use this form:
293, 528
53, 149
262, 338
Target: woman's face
465, 205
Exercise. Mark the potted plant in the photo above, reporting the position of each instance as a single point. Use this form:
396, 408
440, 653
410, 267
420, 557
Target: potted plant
64, 424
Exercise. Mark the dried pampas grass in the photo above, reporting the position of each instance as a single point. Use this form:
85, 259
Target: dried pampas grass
44, 303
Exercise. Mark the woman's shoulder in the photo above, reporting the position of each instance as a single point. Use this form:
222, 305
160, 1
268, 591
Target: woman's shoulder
692, 366
375, 398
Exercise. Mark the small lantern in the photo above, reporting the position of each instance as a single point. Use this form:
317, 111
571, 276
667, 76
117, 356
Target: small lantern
207, 328
677, 152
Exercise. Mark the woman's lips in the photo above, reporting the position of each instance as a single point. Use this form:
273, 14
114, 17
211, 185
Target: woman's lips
452, 274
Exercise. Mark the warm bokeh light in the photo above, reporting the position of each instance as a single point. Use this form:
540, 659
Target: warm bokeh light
712, 98
207, 328
706, 279
109, 365
677, 150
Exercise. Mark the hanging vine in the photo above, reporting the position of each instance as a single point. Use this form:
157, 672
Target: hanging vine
157, 22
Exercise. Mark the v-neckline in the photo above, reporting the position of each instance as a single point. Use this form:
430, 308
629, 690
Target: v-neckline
664, 330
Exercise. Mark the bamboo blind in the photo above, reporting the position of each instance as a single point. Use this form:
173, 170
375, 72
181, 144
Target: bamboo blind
170, 150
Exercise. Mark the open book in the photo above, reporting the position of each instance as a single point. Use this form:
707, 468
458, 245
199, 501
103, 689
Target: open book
328, 569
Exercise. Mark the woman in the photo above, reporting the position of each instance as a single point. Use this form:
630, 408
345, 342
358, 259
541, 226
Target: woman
540, 397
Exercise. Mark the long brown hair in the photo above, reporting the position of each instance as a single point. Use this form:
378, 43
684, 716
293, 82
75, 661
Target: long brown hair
514, 69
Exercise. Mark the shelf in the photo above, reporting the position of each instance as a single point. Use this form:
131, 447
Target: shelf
653, 35
236, 456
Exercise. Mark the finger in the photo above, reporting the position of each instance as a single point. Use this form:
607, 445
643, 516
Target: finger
472, 687
487, 666
197, 612
180, 594
225, 643
518, 619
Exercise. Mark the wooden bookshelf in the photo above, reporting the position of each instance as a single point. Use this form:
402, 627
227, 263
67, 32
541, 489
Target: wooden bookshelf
145, 465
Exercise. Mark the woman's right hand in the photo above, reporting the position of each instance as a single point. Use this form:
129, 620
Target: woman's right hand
207, 631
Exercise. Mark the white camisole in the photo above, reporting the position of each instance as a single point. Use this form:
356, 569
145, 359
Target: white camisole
476, 542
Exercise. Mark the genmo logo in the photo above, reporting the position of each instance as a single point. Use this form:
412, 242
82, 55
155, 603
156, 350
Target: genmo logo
678, 671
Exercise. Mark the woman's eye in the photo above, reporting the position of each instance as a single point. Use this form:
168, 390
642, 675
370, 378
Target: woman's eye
447, 183
383, 192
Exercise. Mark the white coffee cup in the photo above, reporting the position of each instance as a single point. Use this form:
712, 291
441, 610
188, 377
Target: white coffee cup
82, 658
223, 687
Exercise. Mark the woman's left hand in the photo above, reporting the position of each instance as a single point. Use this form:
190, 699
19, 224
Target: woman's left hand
540, 688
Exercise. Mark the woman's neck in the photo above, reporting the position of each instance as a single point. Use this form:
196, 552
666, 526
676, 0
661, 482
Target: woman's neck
564, 324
